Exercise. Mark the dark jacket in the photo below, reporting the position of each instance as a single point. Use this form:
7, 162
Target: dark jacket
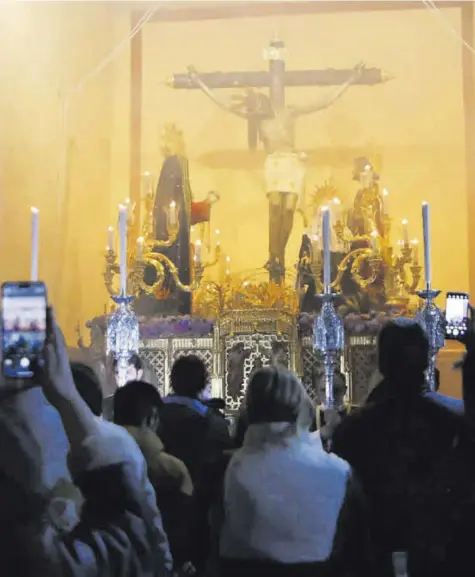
445, 537
454, 405
393, 446
196, 435
193, 433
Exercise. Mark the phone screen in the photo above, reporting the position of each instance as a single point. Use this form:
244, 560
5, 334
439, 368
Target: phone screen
456, 315
23, 328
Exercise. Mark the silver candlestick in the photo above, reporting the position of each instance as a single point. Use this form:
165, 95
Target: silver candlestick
123, 336
329, 339
431, 319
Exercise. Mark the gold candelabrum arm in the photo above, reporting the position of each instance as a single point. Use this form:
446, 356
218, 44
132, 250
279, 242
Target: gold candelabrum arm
406, 258
150, 243
356, 258
112, 269
345, 235
161, 264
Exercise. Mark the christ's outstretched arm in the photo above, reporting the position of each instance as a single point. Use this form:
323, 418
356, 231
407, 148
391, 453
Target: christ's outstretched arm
212, 96
326, 102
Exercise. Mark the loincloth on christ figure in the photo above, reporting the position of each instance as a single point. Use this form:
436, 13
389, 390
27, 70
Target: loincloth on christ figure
284, 172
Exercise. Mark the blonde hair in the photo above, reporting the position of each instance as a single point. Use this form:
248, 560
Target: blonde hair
277, 395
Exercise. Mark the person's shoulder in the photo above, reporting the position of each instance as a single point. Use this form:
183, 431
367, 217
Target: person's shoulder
176, 467
335, 464
455, 406
125, 440
358, 416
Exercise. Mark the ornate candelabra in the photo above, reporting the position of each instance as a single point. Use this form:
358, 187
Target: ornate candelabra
370, 259
431, 319
329, 339
123, 336
147, 255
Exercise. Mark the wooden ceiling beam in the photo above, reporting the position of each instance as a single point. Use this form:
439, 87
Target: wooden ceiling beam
190, 11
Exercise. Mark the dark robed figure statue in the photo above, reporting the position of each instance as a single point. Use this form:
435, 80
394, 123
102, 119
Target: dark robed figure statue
174, 187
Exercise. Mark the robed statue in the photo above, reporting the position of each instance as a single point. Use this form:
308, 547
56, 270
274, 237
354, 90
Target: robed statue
173, 189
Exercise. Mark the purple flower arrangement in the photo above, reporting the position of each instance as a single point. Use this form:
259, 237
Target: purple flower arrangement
187, 326
355, 324
175, 326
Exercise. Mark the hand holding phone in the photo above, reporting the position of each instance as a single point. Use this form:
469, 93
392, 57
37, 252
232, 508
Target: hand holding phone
24, 307
457, 315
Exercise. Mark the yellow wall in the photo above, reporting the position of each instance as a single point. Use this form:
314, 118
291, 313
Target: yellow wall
47, 49
414, 123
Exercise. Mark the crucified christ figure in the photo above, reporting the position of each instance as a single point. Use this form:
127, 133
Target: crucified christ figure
284, 166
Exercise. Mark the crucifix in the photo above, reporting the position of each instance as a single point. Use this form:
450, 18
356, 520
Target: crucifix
272, 122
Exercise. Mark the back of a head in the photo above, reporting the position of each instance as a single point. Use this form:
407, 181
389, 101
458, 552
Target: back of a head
88, 386
189, 376
276, 395
403, 351
135, 403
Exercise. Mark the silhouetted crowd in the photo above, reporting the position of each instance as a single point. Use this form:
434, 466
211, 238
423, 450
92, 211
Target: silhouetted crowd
167, 486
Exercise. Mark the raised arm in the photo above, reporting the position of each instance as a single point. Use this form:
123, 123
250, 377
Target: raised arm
329, 100
194, 76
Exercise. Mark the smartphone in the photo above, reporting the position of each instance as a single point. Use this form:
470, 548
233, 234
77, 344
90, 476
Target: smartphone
456, 315
24, 306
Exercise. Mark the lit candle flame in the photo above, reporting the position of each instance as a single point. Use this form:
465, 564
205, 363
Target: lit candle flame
367, 168
34, 210
172, 204
336, 200
374, 234
385, 192
404, 221
228, 259
217, 231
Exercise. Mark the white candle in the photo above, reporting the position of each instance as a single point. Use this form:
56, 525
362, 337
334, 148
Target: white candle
366, 177
405, 231
336, 207
385, 201
374, 240
110, 238
426, 228
35, 235
415, 252
123, 248
172, 213
198, 251
315, 246
140, 248
326, 250
148, 182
